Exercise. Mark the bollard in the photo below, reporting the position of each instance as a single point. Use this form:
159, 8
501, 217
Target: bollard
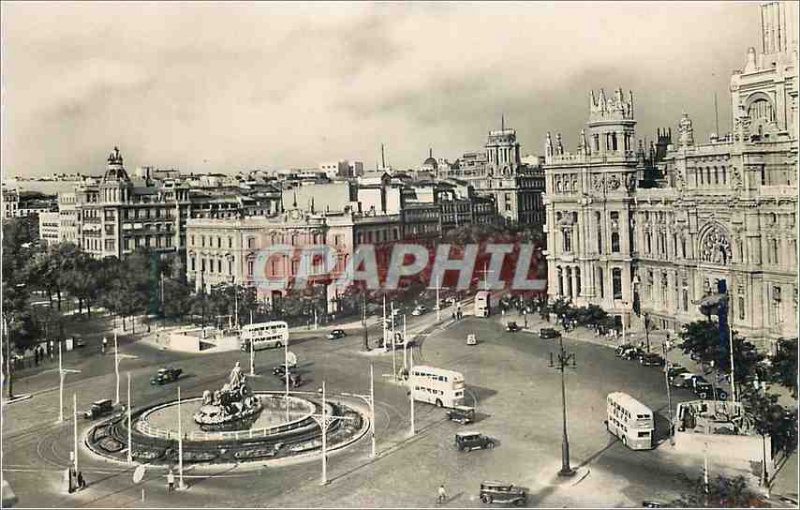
142, 494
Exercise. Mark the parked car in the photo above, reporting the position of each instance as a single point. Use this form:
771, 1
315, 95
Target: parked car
622, 348
513, 327
685, 380
419, 310
651, 359
166, 375
705, 390
99, 409
78, 342
472, 339
546, 333
501, 492
675, 370
336, 334
632, 353
461, 414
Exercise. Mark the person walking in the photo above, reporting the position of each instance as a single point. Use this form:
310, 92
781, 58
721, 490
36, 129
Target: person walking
105, 344
170, 481
442, 495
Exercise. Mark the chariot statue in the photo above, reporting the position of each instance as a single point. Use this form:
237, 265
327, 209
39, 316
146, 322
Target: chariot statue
230, 408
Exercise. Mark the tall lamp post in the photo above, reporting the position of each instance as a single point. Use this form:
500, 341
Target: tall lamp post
370, 400
666, 346
117, 358
562, 361
62, 373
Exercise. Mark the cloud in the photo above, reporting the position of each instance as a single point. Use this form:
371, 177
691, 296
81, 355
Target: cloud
226, 86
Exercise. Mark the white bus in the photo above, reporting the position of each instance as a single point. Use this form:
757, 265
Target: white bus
444, 388
631, 421
265, 335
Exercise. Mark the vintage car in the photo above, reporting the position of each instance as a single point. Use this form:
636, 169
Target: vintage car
686, 380
336, 334
472, 339
501, 492
513, 327
622, 348
632, 353
419, 310
674, 371
706, 391
166, 375
279, 370
546, 333
651, 359
98, 409
461, 414
466, 441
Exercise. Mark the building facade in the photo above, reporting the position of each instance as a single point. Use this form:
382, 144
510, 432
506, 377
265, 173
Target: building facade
658, 240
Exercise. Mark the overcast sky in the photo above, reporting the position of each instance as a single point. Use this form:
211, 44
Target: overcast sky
231, 86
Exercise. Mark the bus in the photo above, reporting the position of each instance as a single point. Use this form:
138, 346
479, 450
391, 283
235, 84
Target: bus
444, 388
265, 335
485, 302
631, 421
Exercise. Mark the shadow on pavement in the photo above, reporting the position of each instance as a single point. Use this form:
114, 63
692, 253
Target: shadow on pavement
479, 393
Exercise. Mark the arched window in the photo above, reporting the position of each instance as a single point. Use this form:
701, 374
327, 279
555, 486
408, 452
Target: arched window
700, 175
615, 242
716, 175
567, 240
724, 175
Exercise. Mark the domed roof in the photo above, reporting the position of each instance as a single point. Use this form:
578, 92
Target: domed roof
431, 161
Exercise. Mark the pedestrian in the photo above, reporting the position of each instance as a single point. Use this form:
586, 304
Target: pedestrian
36, 357
105, 343
170, 481
81, 481
442, 495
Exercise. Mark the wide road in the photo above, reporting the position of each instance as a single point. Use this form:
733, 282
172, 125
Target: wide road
507, 374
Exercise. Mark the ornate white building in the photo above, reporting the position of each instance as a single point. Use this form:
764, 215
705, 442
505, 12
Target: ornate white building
657, 240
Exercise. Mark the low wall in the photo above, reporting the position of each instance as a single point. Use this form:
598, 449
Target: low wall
183, 342
727, 448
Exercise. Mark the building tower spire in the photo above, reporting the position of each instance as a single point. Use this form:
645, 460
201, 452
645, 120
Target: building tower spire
383, 158
502, 122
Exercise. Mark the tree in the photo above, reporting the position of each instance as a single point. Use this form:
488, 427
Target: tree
784, 365
701, 339
721, 492
768, 418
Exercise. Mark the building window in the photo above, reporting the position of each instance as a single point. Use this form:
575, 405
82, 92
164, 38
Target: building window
219, 265
230, 242
616, 282
700, 174
251, 243
685, 297
724, 175
741, 308
567, 237
202, 241
191, 263
647, 242
600, 281
773, 251
560, 281
577, 281
776, 304
716, 175
614, 242
250, 268
203, 265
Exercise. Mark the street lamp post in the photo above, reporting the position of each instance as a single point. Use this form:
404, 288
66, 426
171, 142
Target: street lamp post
8, 360
75, 430
394, 336
117, 358
286, 375
181, 485
130, 443
563, 358
62, 374
647, 330
370, 400
411, 394
405, 344
252, 359
665, 346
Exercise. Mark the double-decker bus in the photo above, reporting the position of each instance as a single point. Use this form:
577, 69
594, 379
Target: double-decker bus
444, 388
631, 421
264, 335
486, 301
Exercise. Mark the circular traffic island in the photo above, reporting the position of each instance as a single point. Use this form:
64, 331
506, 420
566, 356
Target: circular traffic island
273, 426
